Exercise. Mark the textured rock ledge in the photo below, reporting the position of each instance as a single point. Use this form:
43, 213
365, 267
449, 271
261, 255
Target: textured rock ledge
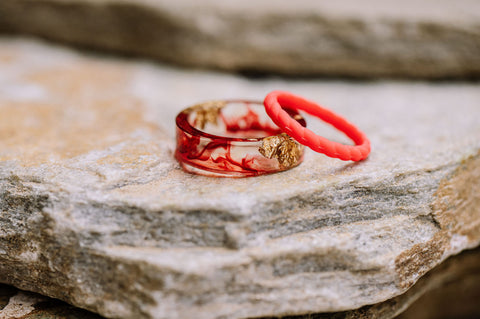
95, 211
420, 39
448, 291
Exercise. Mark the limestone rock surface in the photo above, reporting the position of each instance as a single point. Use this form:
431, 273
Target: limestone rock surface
95, 211
411, 38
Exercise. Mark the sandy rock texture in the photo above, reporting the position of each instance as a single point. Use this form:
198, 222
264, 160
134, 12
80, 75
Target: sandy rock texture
95, 211
411, 38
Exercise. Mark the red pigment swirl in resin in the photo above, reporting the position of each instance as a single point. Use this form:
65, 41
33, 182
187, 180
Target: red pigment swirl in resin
229, 155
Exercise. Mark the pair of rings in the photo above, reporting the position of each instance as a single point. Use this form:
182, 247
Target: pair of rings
238, 138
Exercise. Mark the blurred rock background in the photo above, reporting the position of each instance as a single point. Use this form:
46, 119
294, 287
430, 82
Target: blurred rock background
410, 40
428, 39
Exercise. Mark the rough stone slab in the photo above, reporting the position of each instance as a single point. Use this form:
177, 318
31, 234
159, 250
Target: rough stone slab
448, 291
95, 211
411, 38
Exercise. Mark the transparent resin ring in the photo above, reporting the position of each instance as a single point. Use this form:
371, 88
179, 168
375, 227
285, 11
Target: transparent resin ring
234, 139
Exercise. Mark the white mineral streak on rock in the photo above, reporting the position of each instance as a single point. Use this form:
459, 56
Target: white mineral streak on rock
91, 194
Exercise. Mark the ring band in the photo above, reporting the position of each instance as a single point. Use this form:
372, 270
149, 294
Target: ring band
234, 139
277, 100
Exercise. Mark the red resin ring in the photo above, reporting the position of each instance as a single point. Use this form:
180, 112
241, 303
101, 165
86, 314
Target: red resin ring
276, 100
234, 139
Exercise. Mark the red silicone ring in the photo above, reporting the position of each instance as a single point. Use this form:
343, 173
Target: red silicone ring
274, 102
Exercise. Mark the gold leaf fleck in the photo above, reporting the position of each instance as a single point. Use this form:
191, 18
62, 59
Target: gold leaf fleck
282, 147
207, 112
